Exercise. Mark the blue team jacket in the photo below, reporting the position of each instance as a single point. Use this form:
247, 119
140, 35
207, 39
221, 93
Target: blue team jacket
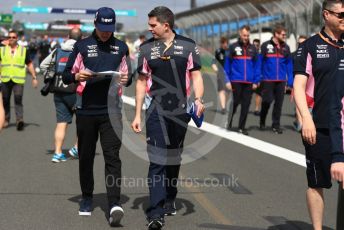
277, 64
242, 64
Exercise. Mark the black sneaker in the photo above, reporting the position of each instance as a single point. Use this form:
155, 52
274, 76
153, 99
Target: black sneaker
155, 223
262, 127
229, 127
170, 208
243, 131
20, 125
85, 207
116, 214
277, 130
256, 113
223, 111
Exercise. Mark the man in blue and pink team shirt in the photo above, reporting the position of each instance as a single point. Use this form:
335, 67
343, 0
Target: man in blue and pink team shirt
99, 52
320, 59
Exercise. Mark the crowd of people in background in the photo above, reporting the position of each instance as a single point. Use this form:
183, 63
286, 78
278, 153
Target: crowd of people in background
244, 68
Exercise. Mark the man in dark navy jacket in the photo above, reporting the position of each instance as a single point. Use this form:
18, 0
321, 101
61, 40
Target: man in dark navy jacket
167, 65
318, 65
242, 75
97, 53
277, 69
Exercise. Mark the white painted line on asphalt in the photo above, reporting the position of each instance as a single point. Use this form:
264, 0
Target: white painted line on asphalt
254, 143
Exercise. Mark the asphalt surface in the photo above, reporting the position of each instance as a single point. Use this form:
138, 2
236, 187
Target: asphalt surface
231, 187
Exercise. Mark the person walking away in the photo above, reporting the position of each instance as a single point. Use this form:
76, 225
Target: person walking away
64, 96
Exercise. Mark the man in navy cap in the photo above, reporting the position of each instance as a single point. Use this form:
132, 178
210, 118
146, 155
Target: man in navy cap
97, 53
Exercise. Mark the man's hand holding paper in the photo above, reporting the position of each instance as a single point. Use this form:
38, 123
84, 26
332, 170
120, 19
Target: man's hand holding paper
83, 75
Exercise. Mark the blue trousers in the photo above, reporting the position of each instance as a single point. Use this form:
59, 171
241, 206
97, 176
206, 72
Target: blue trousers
165, 140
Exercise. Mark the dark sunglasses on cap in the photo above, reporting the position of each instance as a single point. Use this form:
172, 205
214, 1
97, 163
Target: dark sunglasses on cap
338, 15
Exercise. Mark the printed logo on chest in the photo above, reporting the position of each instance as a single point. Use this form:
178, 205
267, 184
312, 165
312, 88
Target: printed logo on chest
238, 51
92, 51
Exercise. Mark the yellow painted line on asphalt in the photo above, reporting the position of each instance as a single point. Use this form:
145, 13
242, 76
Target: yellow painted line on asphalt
207, 205
199, 196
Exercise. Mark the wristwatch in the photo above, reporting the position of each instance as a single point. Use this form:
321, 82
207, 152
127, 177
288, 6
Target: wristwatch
199, 99
34, 78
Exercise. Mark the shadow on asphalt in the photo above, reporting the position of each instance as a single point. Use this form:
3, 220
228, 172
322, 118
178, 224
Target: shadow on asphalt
65, 151
288, 225
269, 128
290, 127
222, 226
13, 125
288, 115
295, 225
100, 201
180, 203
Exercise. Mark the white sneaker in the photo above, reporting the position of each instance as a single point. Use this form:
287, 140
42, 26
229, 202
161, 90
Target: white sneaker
116, 214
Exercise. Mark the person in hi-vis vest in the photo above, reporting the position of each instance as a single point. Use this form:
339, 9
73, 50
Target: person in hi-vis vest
14, 59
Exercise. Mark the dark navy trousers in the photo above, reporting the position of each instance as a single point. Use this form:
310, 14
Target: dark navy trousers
165, 139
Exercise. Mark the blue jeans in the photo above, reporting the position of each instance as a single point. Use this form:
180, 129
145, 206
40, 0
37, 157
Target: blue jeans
64, 105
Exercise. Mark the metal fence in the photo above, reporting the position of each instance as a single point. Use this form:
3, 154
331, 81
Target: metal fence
207, 24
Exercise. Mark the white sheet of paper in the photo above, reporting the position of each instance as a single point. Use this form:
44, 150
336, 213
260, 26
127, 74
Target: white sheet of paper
113, 74
105, 73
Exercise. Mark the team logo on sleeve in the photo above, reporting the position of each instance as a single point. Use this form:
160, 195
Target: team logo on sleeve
299, 52
196, 50
341, 65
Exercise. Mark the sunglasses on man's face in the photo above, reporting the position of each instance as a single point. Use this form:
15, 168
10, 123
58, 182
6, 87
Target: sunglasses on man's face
12, 37
339, 15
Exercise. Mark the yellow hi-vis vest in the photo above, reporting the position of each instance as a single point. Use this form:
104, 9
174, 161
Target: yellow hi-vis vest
13, 66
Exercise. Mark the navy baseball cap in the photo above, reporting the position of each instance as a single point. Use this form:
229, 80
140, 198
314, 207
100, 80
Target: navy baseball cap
105, 19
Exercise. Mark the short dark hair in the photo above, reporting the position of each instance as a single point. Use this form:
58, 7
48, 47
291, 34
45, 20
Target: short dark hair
75, 34
245, 27
223, 40
328, 4
13, 32
278, 29
163, 15
256, 40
